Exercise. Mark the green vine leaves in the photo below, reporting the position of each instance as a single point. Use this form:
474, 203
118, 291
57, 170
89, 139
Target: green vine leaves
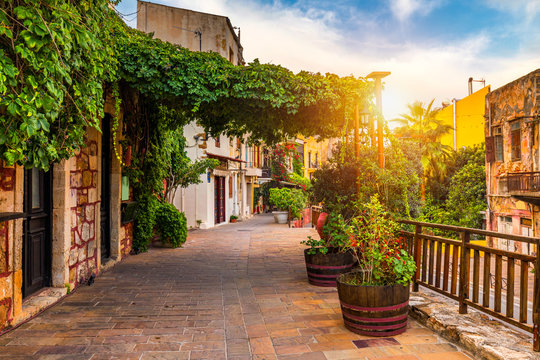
53, 61
57, 56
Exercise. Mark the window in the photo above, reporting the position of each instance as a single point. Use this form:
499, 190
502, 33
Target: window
218, 144
309, 159
515, 133
316, 160
231, 55
498, 143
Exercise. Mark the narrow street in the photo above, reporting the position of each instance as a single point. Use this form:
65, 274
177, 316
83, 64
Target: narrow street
238, 291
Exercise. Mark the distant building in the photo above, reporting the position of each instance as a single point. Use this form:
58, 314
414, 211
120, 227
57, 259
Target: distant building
228, 189
315, 153
513, 160
466, 117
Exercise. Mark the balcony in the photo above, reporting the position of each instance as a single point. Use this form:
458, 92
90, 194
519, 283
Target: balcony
524, 186
266, 173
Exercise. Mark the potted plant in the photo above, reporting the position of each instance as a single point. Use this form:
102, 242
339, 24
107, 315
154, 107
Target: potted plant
329, 256
286, 200
233, 218
375, 298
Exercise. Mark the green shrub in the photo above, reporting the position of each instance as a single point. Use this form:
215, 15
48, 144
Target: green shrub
171, 224
285, 197
163, 217
145, 220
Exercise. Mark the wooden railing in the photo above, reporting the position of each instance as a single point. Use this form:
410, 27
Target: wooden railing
523, 182
444, 265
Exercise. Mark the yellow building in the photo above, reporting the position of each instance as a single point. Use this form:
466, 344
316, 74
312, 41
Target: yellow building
467, 121
315, 154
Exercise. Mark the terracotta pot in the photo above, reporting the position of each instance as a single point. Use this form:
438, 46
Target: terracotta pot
321, 221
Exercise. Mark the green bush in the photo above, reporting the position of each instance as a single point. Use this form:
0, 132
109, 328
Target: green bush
285, 197
171, 224
145, 220
163, 217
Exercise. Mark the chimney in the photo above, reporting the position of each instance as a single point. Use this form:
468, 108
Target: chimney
470, 85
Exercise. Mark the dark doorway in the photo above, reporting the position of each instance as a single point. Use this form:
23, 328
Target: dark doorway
37, 247
105, 205
219, 199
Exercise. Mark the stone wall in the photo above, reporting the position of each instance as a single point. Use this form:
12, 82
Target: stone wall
84, 213
11, 182
126, 239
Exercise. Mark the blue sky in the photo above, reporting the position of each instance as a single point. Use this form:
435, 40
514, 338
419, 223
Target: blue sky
431, 47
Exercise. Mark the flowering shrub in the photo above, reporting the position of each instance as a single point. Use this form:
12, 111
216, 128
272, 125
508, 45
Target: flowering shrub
282, 155
302, 182
380, 251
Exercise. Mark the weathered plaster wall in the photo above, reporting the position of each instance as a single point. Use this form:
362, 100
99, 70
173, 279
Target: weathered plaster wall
177, 26
469, 128
85, 204
11, 183
516, 101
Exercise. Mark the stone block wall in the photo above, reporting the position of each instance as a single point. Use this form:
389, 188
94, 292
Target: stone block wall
11, 182
126, 239
85, 204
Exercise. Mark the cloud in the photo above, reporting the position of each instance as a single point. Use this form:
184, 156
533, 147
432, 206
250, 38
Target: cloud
404, 9
527, 9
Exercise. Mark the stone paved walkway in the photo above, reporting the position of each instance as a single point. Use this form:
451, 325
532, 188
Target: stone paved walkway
235, 292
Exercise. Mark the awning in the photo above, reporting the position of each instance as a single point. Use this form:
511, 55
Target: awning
222, 157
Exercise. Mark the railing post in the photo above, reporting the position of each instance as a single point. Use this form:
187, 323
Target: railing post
464, 269
536, 303
417, 256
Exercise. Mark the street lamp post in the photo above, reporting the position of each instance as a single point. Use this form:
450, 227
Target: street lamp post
360, 118
377, 76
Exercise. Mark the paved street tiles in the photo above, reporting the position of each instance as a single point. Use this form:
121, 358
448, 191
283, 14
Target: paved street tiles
236, 292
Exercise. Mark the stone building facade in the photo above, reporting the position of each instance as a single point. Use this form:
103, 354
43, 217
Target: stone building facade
513, 160
55, 232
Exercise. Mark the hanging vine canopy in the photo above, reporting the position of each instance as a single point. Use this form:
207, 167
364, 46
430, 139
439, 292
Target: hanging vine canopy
56, 56
268, 101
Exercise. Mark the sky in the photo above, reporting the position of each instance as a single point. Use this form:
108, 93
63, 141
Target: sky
431, 47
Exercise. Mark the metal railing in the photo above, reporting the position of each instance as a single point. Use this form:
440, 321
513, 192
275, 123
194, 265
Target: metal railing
523, 182
447, 265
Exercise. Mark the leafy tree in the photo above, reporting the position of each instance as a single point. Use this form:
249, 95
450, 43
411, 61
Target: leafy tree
439, 177
334, 184
422, 127
465, 196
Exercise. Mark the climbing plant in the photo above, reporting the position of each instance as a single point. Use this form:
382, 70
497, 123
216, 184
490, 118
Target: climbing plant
55, 57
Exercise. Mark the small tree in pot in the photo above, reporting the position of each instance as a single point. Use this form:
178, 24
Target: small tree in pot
374, 299
329, 256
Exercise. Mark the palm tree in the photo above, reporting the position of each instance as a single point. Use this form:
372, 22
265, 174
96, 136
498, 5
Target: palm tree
421, 125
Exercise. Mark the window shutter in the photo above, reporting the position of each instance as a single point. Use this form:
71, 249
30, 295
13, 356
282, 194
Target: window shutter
490, 149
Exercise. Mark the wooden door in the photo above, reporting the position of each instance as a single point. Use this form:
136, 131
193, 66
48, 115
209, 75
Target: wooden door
37, 253
105, 205
219, 199
222, 205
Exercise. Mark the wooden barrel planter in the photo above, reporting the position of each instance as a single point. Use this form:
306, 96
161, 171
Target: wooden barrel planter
373, 310
323, 269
